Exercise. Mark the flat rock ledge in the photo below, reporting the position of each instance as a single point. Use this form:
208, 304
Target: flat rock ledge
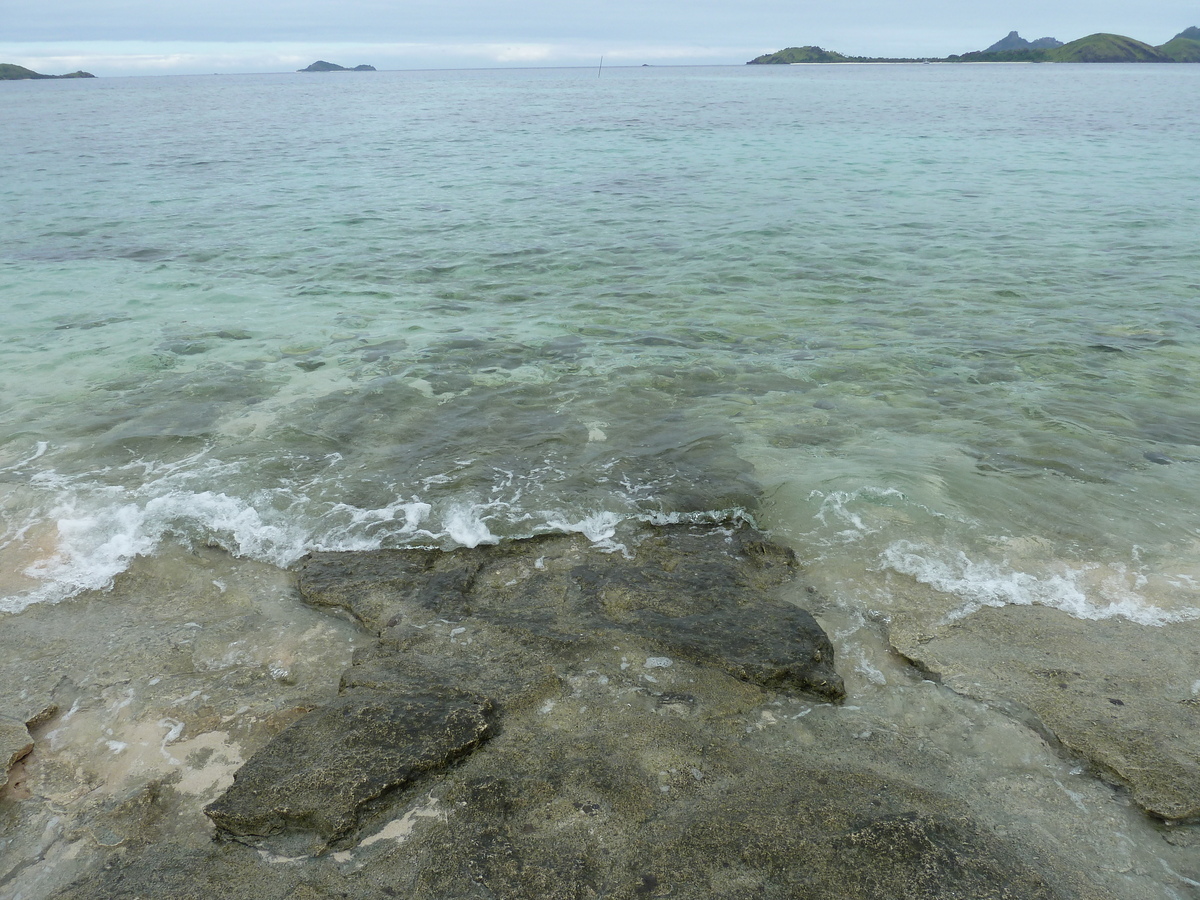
704, 594
306, 789
544, 719
1131, 712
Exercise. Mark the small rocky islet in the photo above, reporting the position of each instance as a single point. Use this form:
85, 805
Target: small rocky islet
322, 66
550, 718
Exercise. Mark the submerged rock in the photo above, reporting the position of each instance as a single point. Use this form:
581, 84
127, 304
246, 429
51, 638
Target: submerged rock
699, 591
786, 832
557, 825
306, 789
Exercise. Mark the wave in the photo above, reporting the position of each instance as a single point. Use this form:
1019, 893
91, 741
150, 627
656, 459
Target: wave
1085, 591
79, 533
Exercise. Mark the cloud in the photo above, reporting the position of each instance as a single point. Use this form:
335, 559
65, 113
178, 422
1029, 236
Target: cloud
116, 58
523, 53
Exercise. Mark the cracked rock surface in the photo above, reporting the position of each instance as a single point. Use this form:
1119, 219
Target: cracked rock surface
552, 719
1131, 711
304, 790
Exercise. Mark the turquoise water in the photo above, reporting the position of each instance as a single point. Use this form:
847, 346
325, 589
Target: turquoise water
935, 323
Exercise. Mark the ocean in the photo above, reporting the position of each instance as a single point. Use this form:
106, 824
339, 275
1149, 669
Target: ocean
935, 327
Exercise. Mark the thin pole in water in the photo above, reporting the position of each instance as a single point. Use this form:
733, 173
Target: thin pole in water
601, 69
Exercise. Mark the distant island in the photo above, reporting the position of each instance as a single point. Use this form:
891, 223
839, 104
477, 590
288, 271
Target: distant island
321, 66
12, 72
1101, 47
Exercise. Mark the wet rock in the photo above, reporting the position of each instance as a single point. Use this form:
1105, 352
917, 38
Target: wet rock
143, 701
15, 744
828, 833
552, 829
918, 856
781, 648
132, 873
701, 591
308, 787
630, 752
1139, 725
624, 802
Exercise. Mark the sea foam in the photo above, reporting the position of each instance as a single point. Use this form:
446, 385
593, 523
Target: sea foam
1073, 589
79, 532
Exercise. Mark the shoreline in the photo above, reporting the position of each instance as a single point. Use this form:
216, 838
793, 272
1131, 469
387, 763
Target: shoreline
197, 736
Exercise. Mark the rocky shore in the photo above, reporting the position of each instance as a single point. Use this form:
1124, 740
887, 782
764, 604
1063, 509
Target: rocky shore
1130, 712
548, 718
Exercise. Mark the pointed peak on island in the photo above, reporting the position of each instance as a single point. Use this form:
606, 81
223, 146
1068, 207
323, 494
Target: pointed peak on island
1094, 48
1015, 42
322, 66
1184, 47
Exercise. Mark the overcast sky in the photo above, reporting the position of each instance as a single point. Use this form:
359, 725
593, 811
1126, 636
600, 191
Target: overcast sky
144, 37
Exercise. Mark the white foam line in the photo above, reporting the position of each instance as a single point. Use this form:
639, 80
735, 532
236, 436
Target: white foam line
986, 583
98, 528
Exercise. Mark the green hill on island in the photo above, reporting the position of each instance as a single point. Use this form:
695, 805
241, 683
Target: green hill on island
1100, 48
791, 55
13, 72
811, 54
1105, 48
322, 66
1184, 47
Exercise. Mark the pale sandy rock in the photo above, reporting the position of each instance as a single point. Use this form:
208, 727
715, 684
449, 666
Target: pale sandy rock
1119, 694
15, 743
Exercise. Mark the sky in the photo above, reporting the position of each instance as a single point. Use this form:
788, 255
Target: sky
161, 37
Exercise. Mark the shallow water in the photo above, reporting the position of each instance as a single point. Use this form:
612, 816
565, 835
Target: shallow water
949, 304
935, 326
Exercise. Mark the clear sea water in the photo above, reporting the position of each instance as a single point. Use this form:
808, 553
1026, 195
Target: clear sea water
937, 323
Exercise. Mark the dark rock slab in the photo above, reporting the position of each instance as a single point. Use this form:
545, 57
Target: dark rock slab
782, 648
915, 855
499, 622
308, 787
785, 833
707, 592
